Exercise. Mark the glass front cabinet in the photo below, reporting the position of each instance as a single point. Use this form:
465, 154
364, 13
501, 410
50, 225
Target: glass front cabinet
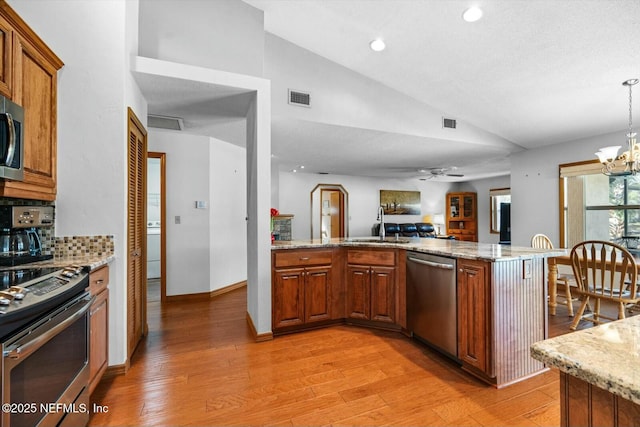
462, 222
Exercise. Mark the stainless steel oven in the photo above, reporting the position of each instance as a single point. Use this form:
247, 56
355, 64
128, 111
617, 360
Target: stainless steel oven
45, 370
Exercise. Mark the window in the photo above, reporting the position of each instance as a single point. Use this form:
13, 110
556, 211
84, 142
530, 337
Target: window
598, 207
497, 196
612, 207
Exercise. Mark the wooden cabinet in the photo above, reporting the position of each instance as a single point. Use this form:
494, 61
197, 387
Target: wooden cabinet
371, 285
98, 326
28, 76
474, 319
6, 57
302, 287
461, 219
583, 404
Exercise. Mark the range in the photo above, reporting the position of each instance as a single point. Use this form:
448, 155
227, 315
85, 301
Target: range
44, 333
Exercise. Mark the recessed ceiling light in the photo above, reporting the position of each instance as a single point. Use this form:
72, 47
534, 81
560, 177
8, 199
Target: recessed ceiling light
377, 45
472, 14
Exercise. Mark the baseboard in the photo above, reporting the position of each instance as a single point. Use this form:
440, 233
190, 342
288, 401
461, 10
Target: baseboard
204, 296
116, 370
226, 289
267, 336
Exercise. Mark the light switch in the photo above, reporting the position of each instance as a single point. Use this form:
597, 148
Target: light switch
201, 204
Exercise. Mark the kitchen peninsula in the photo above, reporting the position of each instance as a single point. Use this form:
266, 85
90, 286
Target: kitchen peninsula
599, 379
501, 296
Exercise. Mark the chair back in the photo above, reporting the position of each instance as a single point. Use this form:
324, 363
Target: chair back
604, 270
541, 241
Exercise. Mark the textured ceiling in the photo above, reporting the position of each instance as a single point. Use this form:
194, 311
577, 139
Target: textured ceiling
535, 72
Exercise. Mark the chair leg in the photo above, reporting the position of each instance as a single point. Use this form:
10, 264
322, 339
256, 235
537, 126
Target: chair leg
596, 312
579, 314
621, 313
567, 295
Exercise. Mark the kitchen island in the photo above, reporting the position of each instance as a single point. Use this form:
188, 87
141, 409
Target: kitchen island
599, 377
500, 292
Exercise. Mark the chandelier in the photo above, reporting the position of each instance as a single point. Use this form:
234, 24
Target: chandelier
630, 159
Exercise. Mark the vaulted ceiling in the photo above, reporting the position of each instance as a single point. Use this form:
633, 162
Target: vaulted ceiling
531, 72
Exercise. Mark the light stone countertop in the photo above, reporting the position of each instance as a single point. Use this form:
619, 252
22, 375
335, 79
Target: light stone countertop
92, 262
445, 247
606, 356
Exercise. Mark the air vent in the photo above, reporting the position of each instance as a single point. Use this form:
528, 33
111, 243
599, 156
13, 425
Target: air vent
299, 98
165, 122
448, 123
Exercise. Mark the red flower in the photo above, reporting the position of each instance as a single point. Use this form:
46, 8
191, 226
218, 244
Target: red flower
274, 212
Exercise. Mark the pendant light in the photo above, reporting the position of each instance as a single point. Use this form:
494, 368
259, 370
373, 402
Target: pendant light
608, 156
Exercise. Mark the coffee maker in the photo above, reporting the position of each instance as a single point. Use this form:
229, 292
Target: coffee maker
19, 238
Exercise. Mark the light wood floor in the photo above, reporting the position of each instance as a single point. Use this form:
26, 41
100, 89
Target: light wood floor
199, 366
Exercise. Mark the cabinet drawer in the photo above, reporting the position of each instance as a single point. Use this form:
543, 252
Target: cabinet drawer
98, 280
301, 258
371, 257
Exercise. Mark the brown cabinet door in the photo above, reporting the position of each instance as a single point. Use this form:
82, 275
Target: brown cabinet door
98, 336
6, 57
317, 294
383, 294
288, 297
473, 318
35, 89
358, 292
468, 208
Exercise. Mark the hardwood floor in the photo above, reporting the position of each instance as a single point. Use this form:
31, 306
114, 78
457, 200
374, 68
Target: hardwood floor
200, 366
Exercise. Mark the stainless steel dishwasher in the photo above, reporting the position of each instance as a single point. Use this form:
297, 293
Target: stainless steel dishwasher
431, 300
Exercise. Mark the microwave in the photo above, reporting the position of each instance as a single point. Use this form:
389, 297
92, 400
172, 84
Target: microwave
11, 140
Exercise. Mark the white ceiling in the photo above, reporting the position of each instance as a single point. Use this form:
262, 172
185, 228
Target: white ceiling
535, 72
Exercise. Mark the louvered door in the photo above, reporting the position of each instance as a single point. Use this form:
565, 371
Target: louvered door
136, 233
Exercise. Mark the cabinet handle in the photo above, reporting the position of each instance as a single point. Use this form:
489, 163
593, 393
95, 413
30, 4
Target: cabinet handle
306, 258
99, 282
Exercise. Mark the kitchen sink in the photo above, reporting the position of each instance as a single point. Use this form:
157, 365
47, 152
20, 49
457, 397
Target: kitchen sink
377, 240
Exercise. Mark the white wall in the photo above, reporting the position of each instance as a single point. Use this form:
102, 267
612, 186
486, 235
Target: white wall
187, 178
534, 185
222, 34
227, 214
364, 199
94, 89
482, 187
209, 244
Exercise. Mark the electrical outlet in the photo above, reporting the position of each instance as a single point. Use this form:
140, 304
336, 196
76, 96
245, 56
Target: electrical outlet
177, 219
526, 269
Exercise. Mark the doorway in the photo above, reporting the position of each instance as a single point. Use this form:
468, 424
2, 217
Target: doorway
329, 211
332, 220
156, 227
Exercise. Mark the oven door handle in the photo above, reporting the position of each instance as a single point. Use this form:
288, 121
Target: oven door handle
44, 332
11, 150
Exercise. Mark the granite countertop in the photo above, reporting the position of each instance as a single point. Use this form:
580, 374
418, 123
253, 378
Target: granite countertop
445, 247
606, 356
92, 262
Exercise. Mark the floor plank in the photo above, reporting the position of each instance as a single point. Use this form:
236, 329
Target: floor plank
200, 366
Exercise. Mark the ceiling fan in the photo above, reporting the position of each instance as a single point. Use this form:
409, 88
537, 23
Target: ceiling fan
436, 172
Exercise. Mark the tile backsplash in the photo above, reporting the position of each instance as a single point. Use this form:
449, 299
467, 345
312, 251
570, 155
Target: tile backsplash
82, 246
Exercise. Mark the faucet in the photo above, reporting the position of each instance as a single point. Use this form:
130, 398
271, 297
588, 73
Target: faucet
381, 219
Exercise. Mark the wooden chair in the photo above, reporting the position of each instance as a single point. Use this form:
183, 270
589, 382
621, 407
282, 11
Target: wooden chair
604, 271
565, 280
